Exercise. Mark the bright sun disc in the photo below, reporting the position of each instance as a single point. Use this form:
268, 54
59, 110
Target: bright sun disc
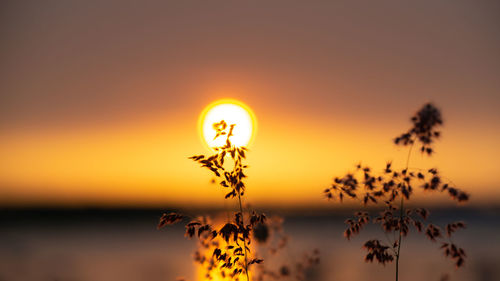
232, 112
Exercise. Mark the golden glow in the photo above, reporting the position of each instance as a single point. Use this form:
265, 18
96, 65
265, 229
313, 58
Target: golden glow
233, 112
215, 276
217, 273
145, 163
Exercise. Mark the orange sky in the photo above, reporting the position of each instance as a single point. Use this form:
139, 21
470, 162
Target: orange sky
291, 160
99, 102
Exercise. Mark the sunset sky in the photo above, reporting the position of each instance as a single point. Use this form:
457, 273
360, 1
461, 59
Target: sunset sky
100, 100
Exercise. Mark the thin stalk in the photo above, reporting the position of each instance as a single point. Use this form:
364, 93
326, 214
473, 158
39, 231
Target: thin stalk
401, 209
244, 239
399, 239
409, 154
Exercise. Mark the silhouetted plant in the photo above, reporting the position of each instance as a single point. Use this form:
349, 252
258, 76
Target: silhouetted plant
233, 258
393, 185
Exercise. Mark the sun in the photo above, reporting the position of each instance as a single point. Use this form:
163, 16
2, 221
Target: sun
232, 112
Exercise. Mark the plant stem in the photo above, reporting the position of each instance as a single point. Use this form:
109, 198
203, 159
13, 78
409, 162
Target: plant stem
401, 213
244, 239
399, 239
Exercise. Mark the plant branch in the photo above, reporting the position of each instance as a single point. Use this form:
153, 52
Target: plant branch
244, 239
399, 239
401, 212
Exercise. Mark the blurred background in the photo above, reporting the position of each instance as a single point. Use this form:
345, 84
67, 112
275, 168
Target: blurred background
99, 107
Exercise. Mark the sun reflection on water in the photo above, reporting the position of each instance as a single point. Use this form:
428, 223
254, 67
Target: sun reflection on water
217, 274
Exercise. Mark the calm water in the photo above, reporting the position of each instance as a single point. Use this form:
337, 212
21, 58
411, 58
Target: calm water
83, 245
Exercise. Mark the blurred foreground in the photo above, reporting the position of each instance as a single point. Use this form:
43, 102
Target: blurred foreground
103, 245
